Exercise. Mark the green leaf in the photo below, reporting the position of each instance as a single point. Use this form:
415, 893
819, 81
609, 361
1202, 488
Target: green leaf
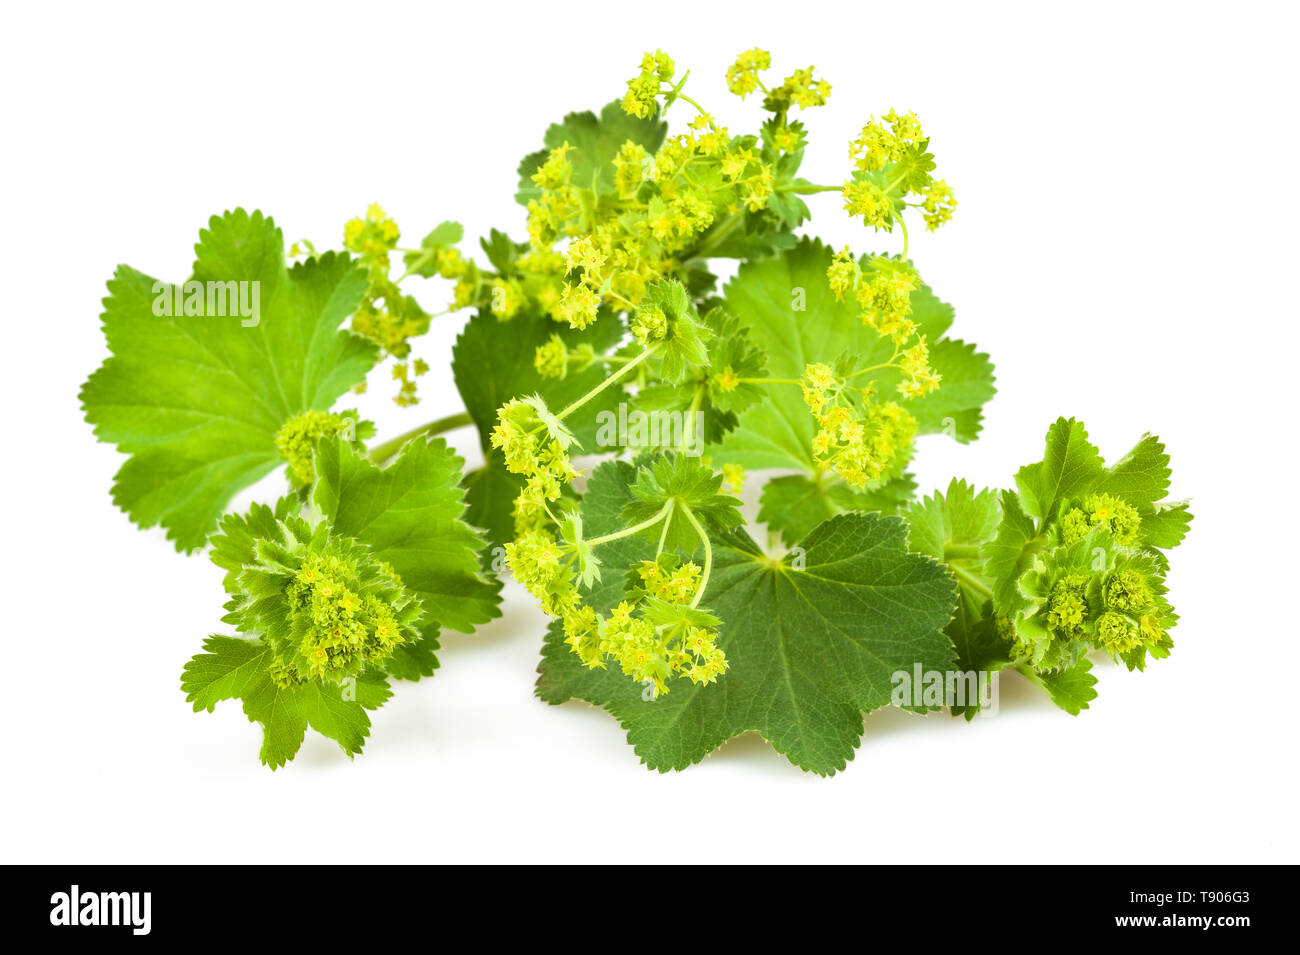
490, 493
958, 518
980, 649
685, 481
716, 392
1010, 553
685, 348
754, 235
956, 408
954, 527
766, 296
410, 514
1165, 525
1070, 467
264, 553
493, 362
502, 251
792, 505
584, 553
444, 234
1071, 689
1141, 477
232, 668
595, 142
425, 262
912, 171
732, 351
196, 401
809, 650
235, 546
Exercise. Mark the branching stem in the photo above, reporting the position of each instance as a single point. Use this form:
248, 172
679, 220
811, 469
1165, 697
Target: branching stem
635, 529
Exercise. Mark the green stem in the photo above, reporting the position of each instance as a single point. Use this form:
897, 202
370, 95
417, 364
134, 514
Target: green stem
608, 381
883, 365
592, 359
716, 236
770, 381
683, 96
635, 529
865, 371
807, 189
668, 522
382, 452
674, 93
960, 551
708, 554
970, 580
688, 426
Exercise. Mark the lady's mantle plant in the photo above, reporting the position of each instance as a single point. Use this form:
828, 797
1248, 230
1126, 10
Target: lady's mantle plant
817, 367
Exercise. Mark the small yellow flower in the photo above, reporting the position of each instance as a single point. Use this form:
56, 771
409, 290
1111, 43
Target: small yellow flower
742, 76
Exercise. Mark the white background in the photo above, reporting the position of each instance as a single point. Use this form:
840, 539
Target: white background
1124, 249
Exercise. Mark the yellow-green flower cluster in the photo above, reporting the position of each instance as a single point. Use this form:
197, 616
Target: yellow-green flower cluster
885, 294
653, 654
372, 238
323, 604
801, 88
506, 298
339, 629
382, 318
733, 478
535, 445
298, 436
875, 205
1126, 617
578, 305
1095, 587
742, 76
402, 374
861, 440
386, 316
649, 325
675, 586
1101, 510
1128, 591
665, 203
891, 162
884, 141
1131, 618
647, 649
652, 646
552, 359
539, 563
938, 205
1067, 606
537, 277
447, 262
657, 68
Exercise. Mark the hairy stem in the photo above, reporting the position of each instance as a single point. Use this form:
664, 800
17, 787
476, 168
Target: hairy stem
708, 554
715, 237
668, 521
635, 529
807, 189
608, 381
382, 452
